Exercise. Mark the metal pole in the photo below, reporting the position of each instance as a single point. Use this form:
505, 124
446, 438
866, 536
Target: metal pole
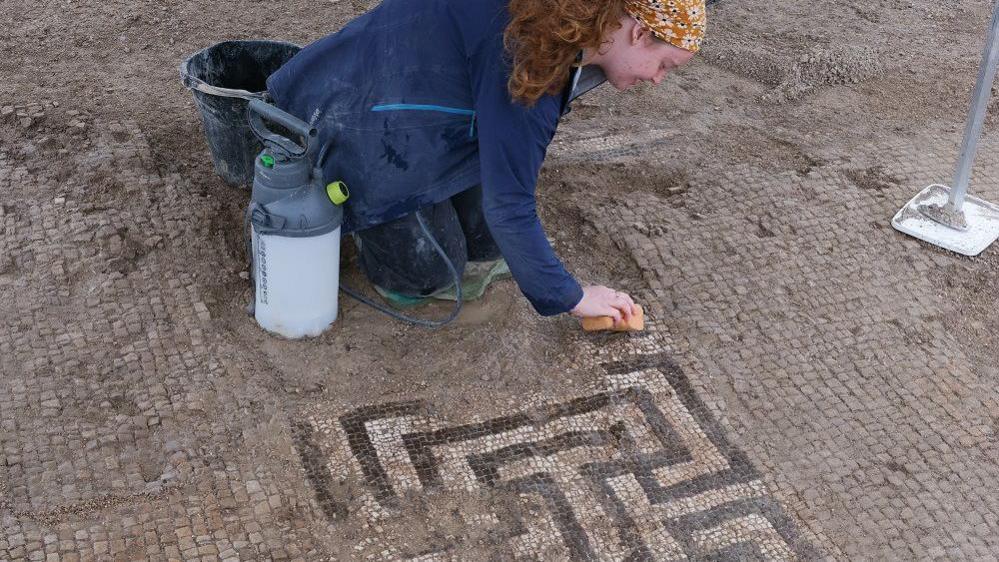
976, 116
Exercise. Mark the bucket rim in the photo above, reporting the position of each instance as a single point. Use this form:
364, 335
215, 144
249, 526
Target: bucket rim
194, 83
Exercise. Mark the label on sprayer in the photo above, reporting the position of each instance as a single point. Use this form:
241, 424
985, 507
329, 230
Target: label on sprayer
261, 270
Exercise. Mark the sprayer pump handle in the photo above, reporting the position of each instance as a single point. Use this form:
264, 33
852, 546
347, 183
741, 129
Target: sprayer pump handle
259, 111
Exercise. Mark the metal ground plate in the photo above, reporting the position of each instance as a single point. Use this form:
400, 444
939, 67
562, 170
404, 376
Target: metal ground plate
982, 217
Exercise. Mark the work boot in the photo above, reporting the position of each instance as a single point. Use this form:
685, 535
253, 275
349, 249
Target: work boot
477, 276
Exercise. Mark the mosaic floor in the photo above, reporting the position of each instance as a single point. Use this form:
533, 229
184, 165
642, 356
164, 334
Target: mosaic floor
637, 469
842, 353
798, 394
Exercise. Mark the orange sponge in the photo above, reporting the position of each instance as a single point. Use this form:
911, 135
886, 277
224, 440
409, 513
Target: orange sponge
598, 323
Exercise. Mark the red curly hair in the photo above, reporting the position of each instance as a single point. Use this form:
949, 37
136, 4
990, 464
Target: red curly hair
544, 37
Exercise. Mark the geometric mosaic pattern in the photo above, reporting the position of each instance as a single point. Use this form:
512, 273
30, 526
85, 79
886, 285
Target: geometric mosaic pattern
881, 413
638, 470
143, 418
128, 431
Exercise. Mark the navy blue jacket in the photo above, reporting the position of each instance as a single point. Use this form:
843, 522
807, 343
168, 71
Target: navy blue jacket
413, 95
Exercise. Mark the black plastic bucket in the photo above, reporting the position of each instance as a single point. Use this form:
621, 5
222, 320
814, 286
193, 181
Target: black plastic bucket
224, 78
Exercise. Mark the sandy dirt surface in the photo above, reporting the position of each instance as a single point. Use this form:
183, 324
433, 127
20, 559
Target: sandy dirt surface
845, 373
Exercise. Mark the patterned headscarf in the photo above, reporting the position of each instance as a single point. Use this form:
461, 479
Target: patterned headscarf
678, 22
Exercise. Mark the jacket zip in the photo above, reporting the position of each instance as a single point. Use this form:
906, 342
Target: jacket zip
425, 107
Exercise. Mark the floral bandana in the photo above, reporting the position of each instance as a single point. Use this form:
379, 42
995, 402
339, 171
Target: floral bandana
678, 22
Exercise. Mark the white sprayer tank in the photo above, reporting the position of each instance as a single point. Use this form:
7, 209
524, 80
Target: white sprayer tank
295, 239
296, 281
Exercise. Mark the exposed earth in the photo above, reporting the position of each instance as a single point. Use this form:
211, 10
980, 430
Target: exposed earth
813, 384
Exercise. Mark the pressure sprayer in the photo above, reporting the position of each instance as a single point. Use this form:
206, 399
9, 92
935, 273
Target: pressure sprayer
296, 221
295, 238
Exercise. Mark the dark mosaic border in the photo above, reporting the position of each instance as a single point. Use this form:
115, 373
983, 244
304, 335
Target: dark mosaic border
486, 466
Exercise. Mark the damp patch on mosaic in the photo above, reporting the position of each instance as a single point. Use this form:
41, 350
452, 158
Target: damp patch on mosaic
635, 469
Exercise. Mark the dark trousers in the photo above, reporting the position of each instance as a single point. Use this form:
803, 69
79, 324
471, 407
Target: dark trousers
398, 256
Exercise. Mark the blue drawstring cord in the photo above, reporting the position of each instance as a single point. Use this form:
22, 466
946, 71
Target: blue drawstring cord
429, 107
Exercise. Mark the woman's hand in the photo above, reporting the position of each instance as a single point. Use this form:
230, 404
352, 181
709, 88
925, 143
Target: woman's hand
602, 301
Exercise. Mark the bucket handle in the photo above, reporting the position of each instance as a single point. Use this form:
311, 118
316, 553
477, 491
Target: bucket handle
259, 110
195, 83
